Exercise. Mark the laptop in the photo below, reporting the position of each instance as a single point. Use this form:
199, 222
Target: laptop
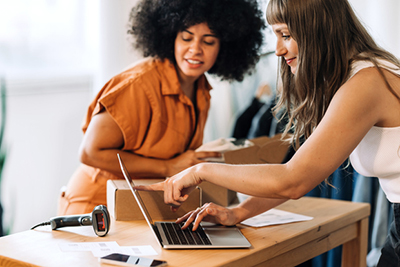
171, 236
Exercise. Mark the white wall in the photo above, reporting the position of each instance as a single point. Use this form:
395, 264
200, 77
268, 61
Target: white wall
42, 138
116, 50
382, 20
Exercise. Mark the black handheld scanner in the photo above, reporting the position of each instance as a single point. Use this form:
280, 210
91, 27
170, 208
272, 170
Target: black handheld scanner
99, 219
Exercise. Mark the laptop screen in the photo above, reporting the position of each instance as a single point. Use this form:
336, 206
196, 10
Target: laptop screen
136, 194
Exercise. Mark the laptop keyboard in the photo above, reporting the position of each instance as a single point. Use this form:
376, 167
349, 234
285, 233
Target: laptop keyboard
176, 235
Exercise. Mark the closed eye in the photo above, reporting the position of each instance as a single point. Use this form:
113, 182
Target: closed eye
209, 42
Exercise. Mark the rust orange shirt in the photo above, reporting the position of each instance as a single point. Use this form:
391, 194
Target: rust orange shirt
156, 118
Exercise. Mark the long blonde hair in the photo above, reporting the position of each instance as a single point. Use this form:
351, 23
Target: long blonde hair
329, 37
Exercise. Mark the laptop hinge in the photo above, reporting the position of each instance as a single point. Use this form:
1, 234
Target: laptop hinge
157, 234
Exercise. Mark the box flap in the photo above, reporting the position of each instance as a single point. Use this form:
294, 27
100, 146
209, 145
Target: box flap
273, 152
265, 150
259, 141
110, 195
124, 185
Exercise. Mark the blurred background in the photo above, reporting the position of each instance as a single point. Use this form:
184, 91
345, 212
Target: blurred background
56, 54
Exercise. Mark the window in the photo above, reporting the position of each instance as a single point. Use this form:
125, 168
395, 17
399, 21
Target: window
48, 37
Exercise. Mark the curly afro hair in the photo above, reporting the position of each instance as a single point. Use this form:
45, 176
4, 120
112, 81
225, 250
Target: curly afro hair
237, 23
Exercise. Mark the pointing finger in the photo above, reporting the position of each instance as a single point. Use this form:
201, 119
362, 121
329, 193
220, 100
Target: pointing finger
151, 187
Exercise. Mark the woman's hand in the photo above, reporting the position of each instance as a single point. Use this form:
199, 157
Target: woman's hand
209, 212
177, 188
188, 159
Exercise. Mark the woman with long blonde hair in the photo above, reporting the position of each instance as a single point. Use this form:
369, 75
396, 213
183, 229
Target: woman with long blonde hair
342, 95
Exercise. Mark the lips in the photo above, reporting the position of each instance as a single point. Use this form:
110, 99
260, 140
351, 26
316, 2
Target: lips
288, 61
192, 61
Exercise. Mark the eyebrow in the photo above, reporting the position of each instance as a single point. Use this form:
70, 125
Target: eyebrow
280, 29
210, 35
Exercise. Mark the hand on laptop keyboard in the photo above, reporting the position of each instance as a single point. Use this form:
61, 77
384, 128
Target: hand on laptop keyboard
209, 212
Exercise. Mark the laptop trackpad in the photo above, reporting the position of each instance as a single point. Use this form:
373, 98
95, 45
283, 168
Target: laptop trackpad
223, 236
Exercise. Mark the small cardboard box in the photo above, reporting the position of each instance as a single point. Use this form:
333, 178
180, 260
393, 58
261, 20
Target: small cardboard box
265, 150
217, 194
123, 207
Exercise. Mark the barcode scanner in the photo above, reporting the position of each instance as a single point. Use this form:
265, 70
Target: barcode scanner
99, 219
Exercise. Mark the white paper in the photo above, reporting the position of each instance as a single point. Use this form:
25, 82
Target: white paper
100, 249
88, 246
275, 216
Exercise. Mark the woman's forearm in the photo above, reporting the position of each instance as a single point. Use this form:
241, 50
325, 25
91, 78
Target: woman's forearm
137, 166
140, 166
261, 180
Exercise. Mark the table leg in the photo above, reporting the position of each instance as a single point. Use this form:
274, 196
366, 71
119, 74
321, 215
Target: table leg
355, 251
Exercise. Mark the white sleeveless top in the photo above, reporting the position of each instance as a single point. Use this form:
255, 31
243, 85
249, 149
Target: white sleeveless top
378, 153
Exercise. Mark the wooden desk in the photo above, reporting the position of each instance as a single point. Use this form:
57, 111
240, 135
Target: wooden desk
335, 222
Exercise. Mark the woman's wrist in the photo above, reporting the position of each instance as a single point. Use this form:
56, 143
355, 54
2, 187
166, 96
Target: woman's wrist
167, 168
201, 171
239, 214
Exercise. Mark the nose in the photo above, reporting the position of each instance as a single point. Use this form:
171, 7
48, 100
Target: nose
280, 49
195, 47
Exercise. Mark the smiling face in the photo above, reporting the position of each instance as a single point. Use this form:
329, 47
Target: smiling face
286, 46
196, 50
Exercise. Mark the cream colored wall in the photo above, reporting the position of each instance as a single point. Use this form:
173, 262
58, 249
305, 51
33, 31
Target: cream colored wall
42, 140
382, 20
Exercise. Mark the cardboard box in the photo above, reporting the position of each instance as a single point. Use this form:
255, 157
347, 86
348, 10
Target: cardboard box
265, 150
122, 205
217, 194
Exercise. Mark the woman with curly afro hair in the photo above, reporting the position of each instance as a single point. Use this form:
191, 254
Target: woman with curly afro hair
236, 23
153, 114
